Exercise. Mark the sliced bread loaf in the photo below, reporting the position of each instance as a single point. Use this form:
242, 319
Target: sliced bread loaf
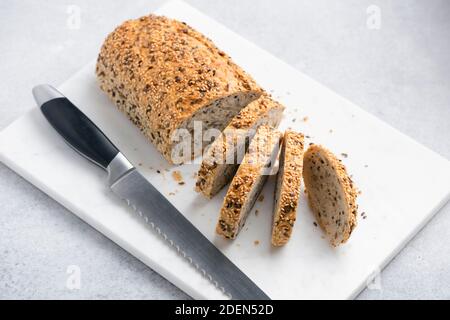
287, 192
331, 193
165, 76
248, 181
223, 156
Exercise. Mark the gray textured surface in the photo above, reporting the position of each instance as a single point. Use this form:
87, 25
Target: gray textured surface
400, 73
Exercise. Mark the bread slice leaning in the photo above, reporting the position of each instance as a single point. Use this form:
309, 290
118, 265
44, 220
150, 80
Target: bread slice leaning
223, 156
287, 192
167, 77
248, 181
331, 193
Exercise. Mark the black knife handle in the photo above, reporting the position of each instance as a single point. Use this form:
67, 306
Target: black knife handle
74, 126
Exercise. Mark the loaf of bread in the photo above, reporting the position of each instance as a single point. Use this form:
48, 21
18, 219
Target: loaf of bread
248, 181
165, 76
287, 189
223, 156
331, 193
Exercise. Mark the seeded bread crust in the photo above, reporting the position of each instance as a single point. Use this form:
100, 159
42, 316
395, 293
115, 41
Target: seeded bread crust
331, 193
287, 191
248, 181
162, 74
215, 171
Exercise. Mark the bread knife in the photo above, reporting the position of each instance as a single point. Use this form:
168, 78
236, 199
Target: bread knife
154, 209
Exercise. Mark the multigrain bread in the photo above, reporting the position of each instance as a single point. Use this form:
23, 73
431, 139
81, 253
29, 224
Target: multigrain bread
331, 193
223, 156
248, 181
165, 76
287, 189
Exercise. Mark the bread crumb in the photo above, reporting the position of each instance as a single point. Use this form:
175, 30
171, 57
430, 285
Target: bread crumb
171, 193
158, 171
344, 154
315, 224
176, 175
305, 119
256, 212
256, 242
181, 183
261, 198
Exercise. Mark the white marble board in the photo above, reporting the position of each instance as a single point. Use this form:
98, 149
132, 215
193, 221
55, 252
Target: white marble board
403, 183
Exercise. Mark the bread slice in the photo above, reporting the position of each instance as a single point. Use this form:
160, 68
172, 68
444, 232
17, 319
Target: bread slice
165, 76
248, 181
331, 193
223, 156
287, 190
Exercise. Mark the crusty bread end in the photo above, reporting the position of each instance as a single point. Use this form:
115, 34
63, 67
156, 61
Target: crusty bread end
331, 193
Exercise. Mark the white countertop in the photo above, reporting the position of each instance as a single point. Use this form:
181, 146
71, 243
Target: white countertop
399, 72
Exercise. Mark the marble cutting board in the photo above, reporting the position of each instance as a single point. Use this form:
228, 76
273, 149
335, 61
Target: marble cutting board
403, 183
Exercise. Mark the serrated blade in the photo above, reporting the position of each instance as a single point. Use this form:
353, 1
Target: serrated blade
167, 221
